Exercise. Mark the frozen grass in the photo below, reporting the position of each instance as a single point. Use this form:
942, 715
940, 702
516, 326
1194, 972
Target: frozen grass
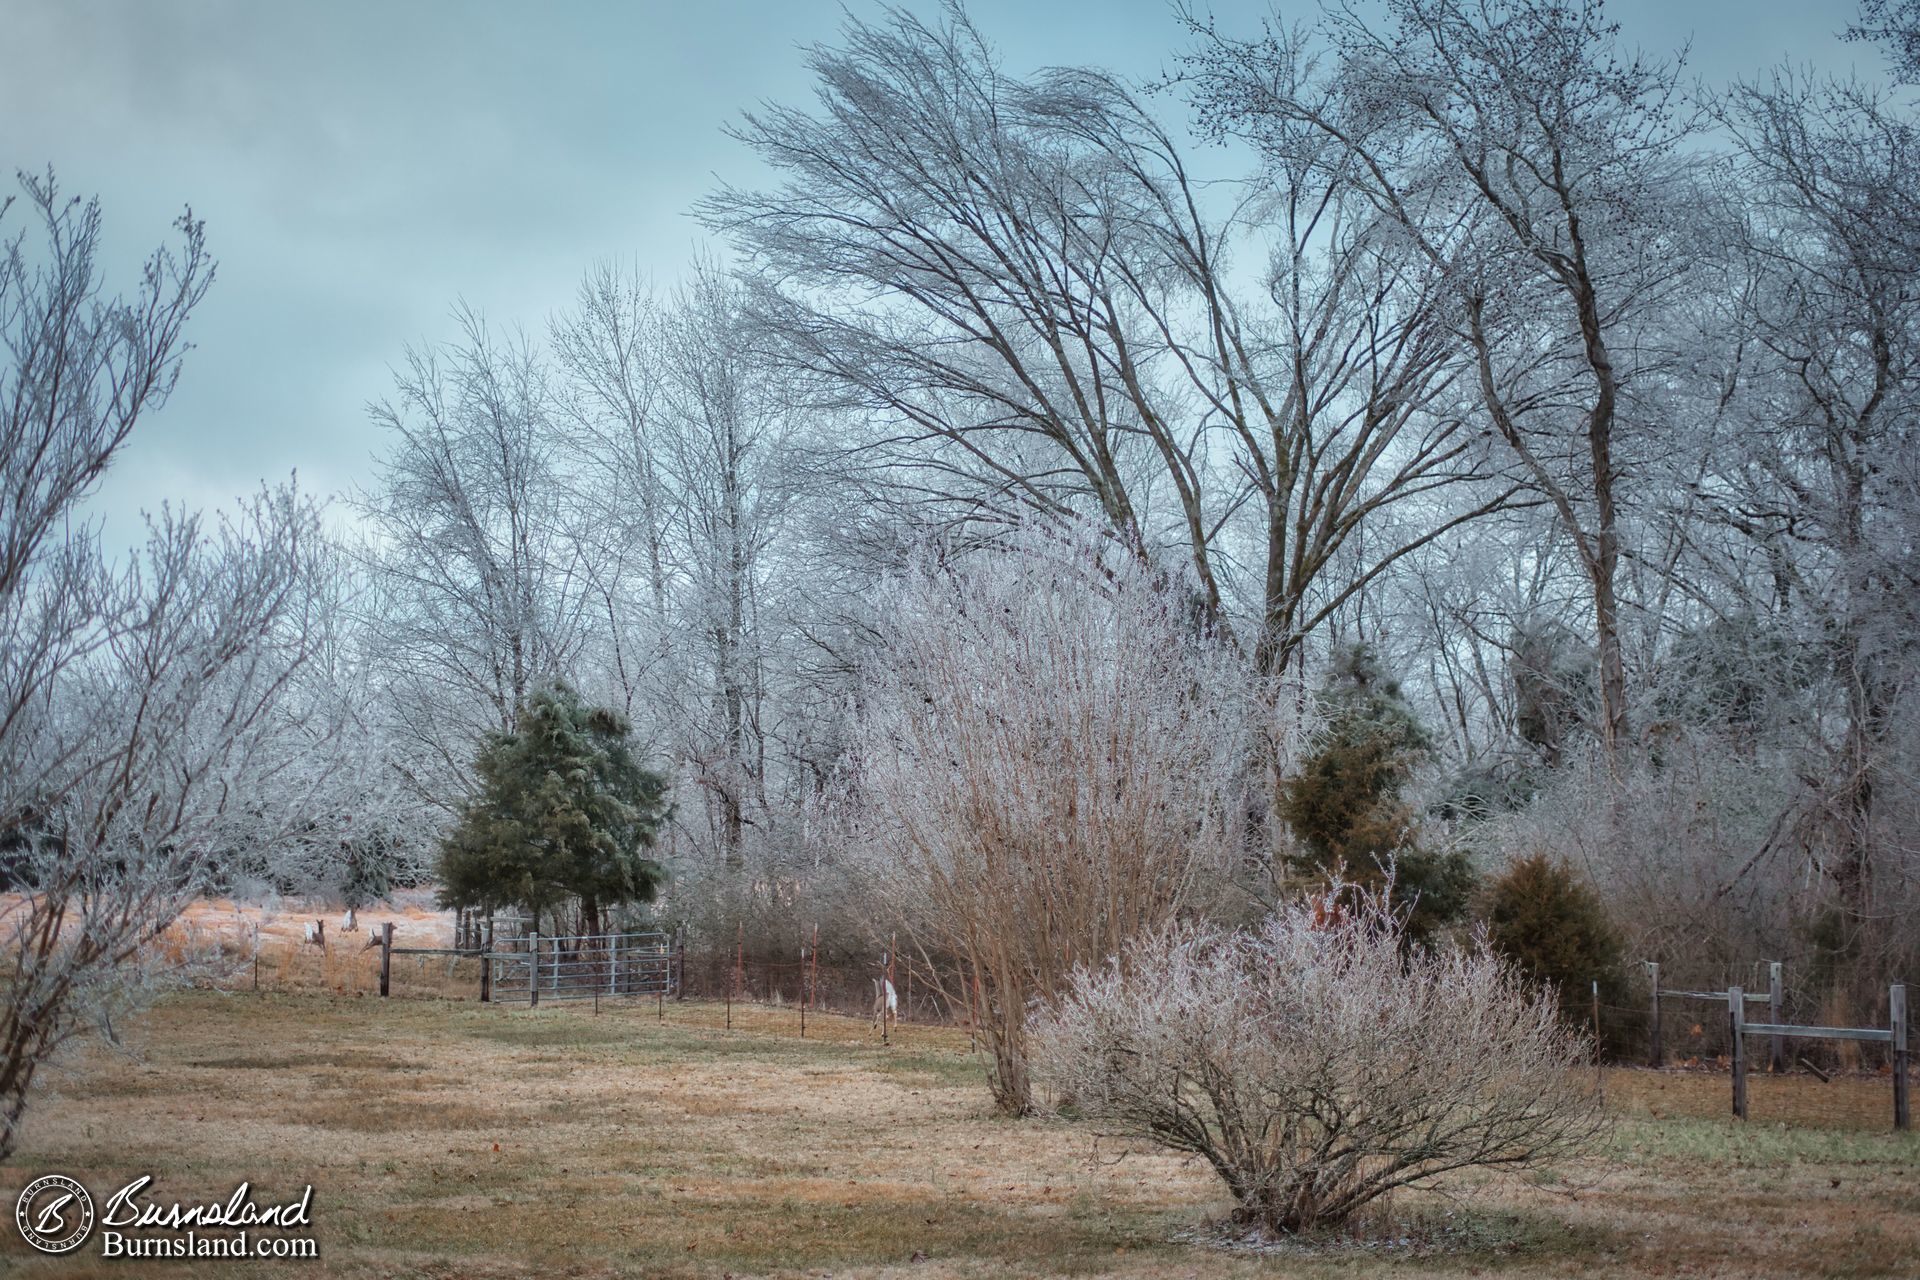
626, 1147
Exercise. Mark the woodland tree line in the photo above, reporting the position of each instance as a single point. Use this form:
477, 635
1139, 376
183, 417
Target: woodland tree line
1523, 419
1454, 448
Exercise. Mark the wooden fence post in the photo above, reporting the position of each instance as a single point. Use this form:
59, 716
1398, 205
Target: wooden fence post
1897, 1020
1737, 1019
1656, 1051
256, 956
485, 943
1777, 1044
386, 956
533, 970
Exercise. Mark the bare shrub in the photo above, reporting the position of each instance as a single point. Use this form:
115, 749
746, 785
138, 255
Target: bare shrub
145, 732
1051, 763
1315, 1063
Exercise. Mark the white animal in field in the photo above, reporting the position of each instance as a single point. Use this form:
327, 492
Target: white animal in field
349, 922
312, 935
886, 1005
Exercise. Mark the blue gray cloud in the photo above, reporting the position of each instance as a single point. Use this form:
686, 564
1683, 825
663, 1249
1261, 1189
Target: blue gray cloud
361, 164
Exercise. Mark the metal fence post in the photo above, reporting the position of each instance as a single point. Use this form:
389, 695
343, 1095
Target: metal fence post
1656, 1051
1897, 1021
533, 970
1777, 1046
1737, 1017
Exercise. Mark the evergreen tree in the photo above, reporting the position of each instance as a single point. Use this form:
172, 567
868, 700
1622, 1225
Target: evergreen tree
369, 869
1345, 805
564, 812
1549, 922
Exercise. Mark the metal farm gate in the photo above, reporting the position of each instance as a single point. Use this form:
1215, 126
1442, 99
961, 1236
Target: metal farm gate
535, 968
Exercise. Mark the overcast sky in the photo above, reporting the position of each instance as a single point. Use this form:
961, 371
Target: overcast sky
362, 163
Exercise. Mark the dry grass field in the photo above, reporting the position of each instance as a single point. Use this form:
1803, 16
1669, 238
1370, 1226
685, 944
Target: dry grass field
448, 1139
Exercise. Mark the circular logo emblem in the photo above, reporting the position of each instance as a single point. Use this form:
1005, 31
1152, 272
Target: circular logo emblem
54, 1213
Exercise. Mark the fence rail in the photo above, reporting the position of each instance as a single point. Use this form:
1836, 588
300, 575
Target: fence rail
1773, 997
1881, 1034
1894, 1034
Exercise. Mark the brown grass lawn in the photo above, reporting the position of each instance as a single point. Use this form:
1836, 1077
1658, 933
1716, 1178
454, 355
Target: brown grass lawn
449, 1139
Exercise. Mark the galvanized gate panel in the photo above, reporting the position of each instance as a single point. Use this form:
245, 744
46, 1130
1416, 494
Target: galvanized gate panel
535, 968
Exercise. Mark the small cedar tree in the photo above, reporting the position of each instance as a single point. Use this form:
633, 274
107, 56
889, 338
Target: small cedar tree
564, 812
1345, 806
1550, 924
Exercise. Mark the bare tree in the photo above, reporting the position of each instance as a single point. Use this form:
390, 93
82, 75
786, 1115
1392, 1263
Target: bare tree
1533, 165
1315, 1063
729, 418
1046, 767
480, 592
609, 348
679, 458
1024, 285
1894, 24
1815, 468
360, 828
139, 737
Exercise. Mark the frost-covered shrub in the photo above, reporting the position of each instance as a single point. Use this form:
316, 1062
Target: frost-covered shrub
1051, 761
1316, 1064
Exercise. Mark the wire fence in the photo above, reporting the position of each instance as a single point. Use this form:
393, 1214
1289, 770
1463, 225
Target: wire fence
1675, 1017
743, 983
818, 984
436, 956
